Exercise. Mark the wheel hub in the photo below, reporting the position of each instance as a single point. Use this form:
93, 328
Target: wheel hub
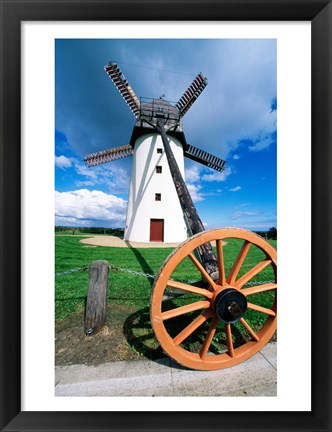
230, 305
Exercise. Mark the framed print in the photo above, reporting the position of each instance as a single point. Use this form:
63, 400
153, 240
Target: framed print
29, 30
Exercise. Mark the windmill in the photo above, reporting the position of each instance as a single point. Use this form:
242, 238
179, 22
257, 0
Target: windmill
160, 207
189, 330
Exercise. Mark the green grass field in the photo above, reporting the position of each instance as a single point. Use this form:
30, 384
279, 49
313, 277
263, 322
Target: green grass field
128, 333
126, 288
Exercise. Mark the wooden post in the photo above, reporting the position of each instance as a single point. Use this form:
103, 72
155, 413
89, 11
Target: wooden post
96, 305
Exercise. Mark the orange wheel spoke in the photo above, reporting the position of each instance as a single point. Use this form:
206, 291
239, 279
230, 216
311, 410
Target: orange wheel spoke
252, 273
229, 340
190, 288
208, 339
238, 262
221, 266
259, 288
186, 332
261, 309
204, 273
185, 309
250, 330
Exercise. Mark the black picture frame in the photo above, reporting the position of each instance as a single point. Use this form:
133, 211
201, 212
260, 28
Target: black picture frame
319, 13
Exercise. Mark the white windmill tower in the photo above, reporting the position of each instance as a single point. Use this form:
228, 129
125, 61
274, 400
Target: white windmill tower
157, 196
154, 212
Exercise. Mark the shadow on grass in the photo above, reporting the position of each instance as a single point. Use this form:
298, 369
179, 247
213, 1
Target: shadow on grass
140, 335
142, 261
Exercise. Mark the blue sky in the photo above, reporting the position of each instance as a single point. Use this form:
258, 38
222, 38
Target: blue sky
234, 118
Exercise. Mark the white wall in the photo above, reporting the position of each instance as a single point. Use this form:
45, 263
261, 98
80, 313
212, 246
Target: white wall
145, 183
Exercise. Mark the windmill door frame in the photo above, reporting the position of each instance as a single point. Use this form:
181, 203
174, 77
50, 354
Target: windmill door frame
156, 230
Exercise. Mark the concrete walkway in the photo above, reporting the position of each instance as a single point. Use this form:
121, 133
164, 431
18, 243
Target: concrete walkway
254, 377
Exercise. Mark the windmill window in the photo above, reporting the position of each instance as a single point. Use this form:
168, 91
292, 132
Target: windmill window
159, 169
160, 150
157, 197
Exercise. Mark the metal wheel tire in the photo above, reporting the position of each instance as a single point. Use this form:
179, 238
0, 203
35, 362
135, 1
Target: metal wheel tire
206, 324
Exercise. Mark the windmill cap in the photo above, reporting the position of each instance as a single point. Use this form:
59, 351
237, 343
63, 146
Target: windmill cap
153, 109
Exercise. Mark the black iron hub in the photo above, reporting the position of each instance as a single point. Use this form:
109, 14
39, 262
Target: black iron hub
230, 305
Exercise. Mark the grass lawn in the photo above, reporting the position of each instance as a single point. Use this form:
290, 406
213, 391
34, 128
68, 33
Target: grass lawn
128, 333
125, 288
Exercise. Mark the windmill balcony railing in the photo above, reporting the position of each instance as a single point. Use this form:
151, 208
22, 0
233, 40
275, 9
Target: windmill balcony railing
154, 109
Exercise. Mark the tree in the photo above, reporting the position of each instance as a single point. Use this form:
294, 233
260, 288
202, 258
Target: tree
272, 233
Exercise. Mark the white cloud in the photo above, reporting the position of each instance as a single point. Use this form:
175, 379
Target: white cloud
217, 176
261, 144
81, 206
243, 205
85, 183
239, 96
114, 176
71, 222
62, 162
195, 193
245, 214
117, 177
196, 175
236, 157
192, 174
235, 189
83, 170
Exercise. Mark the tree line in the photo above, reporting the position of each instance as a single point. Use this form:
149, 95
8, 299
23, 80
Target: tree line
90, 230
271, 234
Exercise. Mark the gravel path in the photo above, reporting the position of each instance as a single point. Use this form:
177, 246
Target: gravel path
112, 241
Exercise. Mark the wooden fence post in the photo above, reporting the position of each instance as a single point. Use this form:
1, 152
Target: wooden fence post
96, 305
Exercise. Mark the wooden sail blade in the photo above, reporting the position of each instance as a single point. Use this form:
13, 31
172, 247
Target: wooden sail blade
204, 158
191, 94
124, 87
106, 156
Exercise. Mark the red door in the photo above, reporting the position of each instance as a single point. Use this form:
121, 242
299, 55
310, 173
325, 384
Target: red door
157, 230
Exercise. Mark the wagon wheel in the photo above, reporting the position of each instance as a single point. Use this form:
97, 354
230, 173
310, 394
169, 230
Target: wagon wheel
207, 324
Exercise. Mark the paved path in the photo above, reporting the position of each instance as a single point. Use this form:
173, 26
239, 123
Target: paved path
254, 377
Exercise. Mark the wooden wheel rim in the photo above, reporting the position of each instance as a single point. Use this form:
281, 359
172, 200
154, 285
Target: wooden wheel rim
234, 355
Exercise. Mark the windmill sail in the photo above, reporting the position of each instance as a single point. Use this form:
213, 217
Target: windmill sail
124, 87
108, 155
191, 94
204, 158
